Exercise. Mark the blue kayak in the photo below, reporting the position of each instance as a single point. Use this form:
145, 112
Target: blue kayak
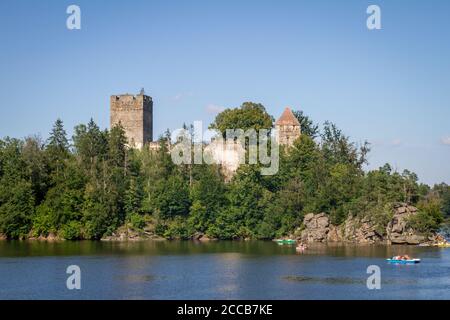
412, 261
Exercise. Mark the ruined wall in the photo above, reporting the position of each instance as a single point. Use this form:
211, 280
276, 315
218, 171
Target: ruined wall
226, 154
135, 113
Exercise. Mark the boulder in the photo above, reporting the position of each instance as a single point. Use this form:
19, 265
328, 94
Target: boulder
334, 234
205, 238
397, 239
317, 227
360, 230
308, 218
401, 210
52, 237
197, 236
415, 239
398, 231
323, 222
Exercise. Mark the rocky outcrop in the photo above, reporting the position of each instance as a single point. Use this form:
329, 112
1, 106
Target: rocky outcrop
398, 231
50, 237
199, 236
318, 228
361, 230
129, 234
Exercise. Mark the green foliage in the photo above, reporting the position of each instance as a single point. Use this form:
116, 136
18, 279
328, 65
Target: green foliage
37, 166
249, 116
57, 142
208, 197
172, 197
308, 127
16, 209
17, 201
90, 189
72, 230
245, 200
430, 214
133, 197
283, 211
198, 217
226, 225
137, 221
423, 222
42, 221
443, 191
177, 228
337, 148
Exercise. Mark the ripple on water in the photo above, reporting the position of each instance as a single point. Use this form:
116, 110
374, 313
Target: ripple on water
136, 278
344, 280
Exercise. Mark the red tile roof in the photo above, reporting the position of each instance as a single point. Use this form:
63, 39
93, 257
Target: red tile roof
287, 118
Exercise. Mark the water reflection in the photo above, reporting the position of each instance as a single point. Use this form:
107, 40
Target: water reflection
217, 270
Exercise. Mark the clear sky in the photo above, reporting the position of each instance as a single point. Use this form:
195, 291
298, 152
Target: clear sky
389, 86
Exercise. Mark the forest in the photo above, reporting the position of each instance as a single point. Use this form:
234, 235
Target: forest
89, 185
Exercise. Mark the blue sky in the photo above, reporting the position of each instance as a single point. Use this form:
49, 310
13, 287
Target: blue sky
390, 86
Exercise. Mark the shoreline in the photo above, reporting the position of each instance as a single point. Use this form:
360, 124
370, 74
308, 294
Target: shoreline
135, 240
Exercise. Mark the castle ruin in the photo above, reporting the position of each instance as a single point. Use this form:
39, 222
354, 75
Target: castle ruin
135, 114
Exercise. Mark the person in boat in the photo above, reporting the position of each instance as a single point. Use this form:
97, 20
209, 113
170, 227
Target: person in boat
402, 257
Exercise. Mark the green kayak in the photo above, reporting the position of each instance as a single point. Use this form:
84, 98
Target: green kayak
286, 241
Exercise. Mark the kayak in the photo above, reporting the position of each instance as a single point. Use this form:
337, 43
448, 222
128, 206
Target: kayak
412, 261
286, 241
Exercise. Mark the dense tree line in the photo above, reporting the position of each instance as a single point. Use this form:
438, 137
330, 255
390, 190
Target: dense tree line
88, 186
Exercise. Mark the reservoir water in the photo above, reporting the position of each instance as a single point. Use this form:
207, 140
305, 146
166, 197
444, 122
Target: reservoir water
217, 270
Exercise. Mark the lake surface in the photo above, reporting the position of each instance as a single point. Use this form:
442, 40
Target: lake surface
217, 270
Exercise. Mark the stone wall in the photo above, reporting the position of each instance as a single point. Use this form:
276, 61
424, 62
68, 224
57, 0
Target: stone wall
227, 154
287, 134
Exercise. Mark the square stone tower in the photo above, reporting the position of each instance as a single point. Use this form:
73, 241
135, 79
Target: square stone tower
135, 114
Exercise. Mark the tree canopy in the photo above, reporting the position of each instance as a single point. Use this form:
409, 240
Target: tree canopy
248, 116
91, 185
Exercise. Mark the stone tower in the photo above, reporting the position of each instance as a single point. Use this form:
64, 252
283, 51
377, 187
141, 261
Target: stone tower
135, 114
288, 128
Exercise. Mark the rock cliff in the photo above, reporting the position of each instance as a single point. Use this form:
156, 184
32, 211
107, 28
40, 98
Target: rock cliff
318, 228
